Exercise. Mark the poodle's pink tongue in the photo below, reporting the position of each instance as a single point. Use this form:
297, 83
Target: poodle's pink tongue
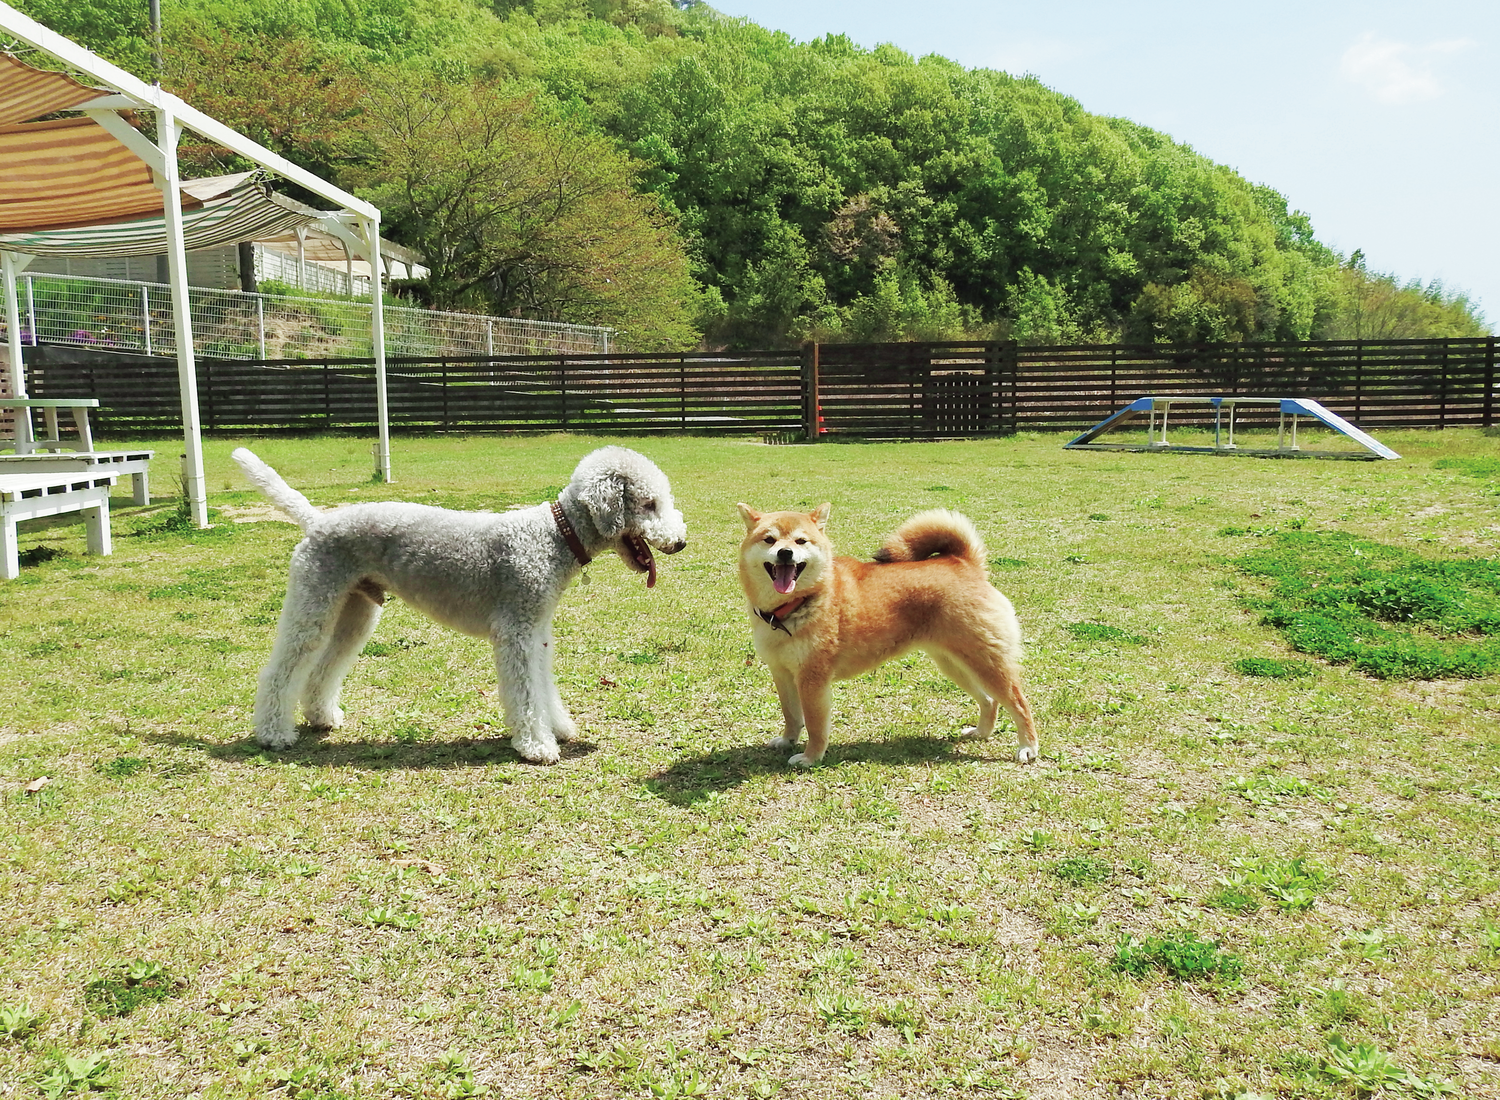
784, 576
651, 574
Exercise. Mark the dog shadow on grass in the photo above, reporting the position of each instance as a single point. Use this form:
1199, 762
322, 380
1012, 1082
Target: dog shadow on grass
696, 778
315, 749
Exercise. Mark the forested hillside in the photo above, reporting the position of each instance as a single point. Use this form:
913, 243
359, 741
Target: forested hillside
675, 173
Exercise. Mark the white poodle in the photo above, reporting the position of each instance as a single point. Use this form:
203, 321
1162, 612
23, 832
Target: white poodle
496, 576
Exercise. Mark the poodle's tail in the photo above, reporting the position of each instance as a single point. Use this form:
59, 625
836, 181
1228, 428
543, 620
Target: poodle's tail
277, 491
938, 532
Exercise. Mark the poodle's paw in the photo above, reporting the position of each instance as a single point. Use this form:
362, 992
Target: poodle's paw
971, 733
276, 738
802, 760
1026, 754
326, 718
565, 729
782, 743
539, 750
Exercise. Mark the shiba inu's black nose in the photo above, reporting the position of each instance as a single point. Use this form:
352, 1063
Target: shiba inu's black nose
784, 554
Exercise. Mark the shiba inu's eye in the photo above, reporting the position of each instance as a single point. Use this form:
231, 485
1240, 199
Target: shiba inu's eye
801, 542
770, 540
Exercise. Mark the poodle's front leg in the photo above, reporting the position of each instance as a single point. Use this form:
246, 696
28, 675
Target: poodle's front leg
521, 668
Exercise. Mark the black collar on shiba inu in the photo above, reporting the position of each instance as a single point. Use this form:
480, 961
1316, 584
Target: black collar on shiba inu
575, 544
774, 617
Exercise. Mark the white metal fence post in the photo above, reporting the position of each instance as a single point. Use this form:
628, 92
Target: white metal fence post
146, 315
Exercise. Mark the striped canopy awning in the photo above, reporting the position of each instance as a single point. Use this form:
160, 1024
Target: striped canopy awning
70, 171
70, 188
27, 93
216, 211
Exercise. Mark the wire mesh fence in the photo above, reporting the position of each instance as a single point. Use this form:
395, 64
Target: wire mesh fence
112, 314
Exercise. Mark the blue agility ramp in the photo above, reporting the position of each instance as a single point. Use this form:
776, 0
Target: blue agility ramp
1157, 408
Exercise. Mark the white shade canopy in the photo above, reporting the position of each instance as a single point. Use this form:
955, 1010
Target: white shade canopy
94, 181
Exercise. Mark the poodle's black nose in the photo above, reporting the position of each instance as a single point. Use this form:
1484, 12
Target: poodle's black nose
784, 554
675, 547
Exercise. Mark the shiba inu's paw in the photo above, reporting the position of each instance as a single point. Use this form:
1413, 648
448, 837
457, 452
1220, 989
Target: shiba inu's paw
801, 761
781, 743
1026, 754
971, 733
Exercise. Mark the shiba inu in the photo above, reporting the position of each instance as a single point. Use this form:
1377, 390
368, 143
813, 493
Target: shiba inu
817, 618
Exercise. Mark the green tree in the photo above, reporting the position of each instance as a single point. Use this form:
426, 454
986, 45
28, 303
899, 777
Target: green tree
118, 30
290, 94
519, 213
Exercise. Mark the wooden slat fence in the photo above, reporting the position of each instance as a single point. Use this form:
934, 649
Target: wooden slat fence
745, 393
878, 391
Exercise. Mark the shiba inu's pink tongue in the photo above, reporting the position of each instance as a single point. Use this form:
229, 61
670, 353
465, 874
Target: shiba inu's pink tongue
784, 576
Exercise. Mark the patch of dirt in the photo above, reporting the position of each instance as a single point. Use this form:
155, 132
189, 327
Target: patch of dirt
252, 513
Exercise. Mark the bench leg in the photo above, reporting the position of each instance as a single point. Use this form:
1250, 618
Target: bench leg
140, 485
10, 559
25, 435
96, 520
81, 422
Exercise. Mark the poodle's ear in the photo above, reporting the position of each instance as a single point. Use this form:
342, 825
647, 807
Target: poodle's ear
604, 496
749, 515
820, 515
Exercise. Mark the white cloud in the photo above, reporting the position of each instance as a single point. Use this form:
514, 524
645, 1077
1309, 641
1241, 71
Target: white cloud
1394, 72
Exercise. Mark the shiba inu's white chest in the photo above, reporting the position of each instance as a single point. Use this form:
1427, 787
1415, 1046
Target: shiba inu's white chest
779, 643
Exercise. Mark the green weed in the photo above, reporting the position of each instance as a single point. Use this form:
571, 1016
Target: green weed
1102, 632
130, 986
1185, 957
1388, 612
1272, 668
18, 1021
74, 1076
1081, 870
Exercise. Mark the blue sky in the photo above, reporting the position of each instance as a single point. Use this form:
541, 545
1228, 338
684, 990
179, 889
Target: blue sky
1379, 120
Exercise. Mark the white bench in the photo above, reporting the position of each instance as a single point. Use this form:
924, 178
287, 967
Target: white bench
39, 494
132, 464
24, 442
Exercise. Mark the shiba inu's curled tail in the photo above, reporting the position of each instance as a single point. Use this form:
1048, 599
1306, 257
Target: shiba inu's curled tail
938, 532
277, 491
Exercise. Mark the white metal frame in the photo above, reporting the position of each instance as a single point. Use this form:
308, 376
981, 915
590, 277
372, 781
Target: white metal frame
359, 222
1156, 427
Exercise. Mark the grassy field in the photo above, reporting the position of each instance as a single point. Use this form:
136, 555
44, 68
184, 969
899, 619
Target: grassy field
1237, 871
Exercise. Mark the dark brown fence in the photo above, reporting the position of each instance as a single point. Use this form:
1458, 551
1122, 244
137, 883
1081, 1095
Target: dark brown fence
755, 392
879, 391
916, 391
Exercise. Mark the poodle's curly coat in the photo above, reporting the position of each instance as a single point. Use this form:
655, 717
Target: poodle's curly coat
494, 575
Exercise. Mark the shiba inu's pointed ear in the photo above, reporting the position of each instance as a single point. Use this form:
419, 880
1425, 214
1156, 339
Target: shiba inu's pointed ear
749, 515
820, 515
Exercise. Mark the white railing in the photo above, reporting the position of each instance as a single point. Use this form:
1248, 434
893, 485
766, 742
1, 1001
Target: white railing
270, 264
112, 314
